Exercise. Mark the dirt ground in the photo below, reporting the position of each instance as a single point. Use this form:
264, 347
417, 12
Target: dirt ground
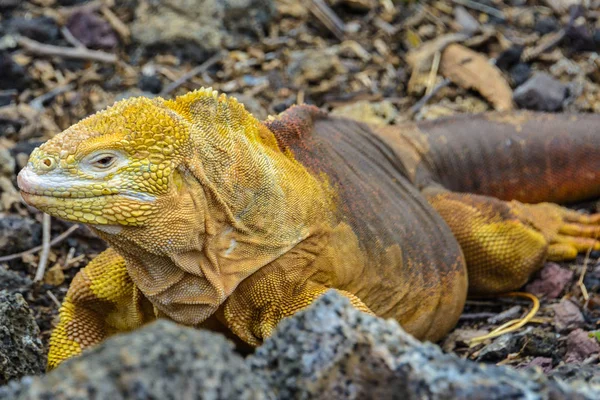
382, 61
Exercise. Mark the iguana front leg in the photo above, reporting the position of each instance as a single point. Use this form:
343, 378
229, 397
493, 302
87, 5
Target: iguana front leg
268, 296
102, 300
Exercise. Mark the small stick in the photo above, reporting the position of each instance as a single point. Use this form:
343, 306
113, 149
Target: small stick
328, 18
70, 38
54, 241
482, 7
481, 315
191, 73
116, 24
435, 65
38, 102
80, 53
70, 256
419, 104
41, 269
53, 298
580, 283
546, 43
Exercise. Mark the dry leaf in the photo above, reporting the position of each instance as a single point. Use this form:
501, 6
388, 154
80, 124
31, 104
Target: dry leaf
470, 70
420, 59
54, 276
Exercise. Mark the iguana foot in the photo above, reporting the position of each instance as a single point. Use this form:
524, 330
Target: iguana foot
568, 232
505, 242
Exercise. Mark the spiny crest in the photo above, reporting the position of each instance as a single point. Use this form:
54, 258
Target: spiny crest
141, 125
135, 124
205, 108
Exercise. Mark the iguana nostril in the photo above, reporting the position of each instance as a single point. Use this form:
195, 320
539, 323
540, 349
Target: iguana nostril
48, 164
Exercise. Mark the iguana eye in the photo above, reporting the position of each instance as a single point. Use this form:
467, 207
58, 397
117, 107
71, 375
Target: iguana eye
103, 162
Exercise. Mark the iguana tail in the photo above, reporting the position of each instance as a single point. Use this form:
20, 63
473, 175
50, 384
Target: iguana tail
525, 156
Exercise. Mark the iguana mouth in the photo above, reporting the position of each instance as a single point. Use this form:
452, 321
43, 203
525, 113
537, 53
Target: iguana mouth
63, 187
67, 197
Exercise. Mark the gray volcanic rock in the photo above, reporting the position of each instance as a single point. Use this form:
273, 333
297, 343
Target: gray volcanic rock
21, 351
332, 351
160, 361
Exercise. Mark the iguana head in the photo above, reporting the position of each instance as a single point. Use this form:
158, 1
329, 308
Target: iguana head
110, 168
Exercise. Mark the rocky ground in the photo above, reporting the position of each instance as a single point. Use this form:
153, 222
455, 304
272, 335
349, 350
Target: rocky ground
381, 61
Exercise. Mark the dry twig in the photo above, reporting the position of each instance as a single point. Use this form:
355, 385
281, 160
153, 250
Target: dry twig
38, 102
482, 7
328, 18
191, 73
41, 269
54, 241
117, 24
53, 298
70, 38
418, 105
80, 53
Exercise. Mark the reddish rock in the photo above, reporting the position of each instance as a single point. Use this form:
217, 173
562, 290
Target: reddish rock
551, 282
567, 315
580, 346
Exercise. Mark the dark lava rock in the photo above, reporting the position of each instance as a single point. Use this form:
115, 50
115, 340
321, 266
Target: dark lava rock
579, 34
520, 73
509, 57
150, 83
42, 29
592, 279
499, 349
546, 25
160, 361
18, 234
21, 351
541, 93
13, 75
13, 282
92, 30
539, 343
332, 351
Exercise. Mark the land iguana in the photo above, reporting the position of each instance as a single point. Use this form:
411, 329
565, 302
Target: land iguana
217, 220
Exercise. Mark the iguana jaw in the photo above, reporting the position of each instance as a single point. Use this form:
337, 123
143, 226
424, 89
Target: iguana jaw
76, 199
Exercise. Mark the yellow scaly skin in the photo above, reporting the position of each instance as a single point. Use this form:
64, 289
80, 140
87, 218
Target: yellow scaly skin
210, 219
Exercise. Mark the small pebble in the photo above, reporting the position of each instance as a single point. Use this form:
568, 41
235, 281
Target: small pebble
567, 315
150, 83
580, 346
541, 93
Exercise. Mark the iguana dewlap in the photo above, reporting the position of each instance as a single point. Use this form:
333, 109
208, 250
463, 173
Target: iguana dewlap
217, 220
